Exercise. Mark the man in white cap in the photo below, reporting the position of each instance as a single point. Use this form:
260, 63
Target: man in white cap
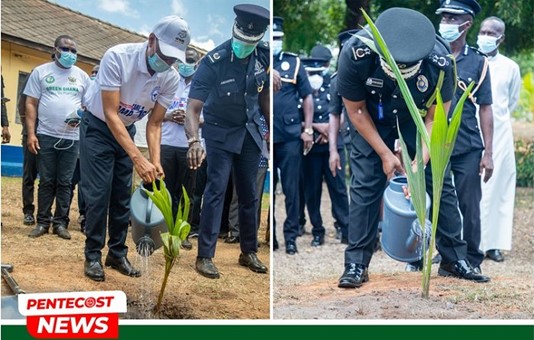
134, 80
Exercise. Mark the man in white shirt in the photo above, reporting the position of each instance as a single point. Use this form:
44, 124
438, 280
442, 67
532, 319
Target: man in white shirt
498, 194
54, 95
174, 144
134, 80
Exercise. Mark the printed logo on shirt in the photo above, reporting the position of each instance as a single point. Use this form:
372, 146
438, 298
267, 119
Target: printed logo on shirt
50, 79
132, 110
258, 68
155, 93
72, 80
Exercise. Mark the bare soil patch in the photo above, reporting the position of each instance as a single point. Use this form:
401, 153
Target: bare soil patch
51, 264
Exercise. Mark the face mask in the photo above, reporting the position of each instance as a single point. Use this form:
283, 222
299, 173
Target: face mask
277, 46
242, 49
487, 43
186, 70
316, 81
92, 78
157, 64
450, 32
67, 59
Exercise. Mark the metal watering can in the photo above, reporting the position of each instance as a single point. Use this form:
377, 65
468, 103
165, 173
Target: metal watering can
402, 235
147, 221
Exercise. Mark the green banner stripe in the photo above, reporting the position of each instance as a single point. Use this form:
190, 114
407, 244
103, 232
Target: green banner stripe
451, 332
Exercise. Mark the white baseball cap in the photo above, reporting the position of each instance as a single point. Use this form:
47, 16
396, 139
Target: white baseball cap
173, 36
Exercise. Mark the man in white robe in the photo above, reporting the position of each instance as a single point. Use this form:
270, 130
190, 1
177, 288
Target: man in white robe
498, 194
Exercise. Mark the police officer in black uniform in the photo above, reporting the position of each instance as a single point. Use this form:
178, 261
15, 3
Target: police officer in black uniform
468, 161
230, 86
374, 105
315, 163
289, 140
323, 54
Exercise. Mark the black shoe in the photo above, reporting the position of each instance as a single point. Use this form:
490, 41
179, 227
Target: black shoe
291, 248
39, 230
461, 269
436, 259
206, 268
251, 261
82, 226
193, 234
477, 270
122, 265
231, 239
317, 241
416, 266
94, 270
28, 219
275, 245
353, 276
344, 240
62, 232
338, 234
187, 245
302, 230
495, 255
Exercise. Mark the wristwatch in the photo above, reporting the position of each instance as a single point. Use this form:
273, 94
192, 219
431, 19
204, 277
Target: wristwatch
193, 140
308, 131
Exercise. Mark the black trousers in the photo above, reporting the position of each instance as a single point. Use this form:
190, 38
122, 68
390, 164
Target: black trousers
177, 173
198, 193
368, 183
221, 164
106, 185
29, 175
465, 168
316, 165
288, 157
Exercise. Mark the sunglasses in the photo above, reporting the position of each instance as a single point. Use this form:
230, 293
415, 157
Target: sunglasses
66, 49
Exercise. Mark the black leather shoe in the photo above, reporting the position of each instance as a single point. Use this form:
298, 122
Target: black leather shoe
291, 248
187, 245
231, 239
344, 240
416, 266
461, 269
94, 270
477, 270
251, 261
122, 265
317, 241
39, 230
28, 219
206, 268
353, 276
436, 259
495, 255
62, 232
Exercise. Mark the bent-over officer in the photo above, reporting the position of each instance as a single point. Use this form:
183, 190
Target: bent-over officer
374, 105
231, 85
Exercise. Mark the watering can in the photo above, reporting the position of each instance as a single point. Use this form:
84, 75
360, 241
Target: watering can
402, 234
147, 221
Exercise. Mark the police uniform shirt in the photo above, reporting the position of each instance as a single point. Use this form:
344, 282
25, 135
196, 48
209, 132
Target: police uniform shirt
295, 85
469, 68
229, 91
337, 108
360, 77
124, 68
321, 108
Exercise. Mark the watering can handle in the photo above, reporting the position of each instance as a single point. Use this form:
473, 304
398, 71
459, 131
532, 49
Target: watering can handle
149, 206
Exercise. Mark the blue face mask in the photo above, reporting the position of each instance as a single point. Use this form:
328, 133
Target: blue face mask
242, 49
487, 44
450, 32
157, 64
186, 70
67, 59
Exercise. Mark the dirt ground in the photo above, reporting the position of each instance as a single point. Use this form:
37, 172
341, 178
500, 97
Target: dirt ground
305, 285
51, 264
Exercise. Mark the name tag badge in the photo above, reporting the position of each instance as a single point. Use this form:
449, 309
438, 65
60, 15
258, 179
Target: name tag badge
375, 82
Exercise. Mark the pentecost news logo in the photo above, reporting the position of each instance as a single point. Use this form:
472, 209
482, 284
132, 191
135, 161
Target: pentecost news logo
90, 315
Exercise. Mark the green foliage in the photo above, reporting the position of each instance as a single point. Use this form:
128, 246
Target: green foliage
178, 228
525, 109
524, 159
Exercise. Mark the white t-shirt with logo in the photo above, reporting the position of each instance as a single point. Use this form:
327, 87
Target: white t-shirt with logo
124, 68
173, 134
60, 92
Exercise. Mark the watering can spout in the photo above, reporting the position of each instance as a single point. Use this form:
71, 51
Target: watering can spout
147, 221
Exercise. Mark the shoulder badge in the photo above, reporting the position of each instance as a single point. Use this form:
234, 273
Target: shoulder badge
216, 56
441, 61
264, 45
422, 83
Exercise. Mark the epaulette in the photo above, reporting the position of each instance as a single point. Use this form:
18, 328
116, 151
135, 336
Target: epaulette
291, 54
264, 45
439, 60
215, 56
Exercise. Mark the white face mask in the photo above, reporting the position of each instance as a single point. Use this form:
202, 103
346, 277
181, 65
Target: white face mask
487, 43
316, 81
277, 46
450, 32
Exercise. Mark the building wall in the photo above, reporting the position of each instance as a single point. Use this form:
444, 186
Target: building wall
17, 58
